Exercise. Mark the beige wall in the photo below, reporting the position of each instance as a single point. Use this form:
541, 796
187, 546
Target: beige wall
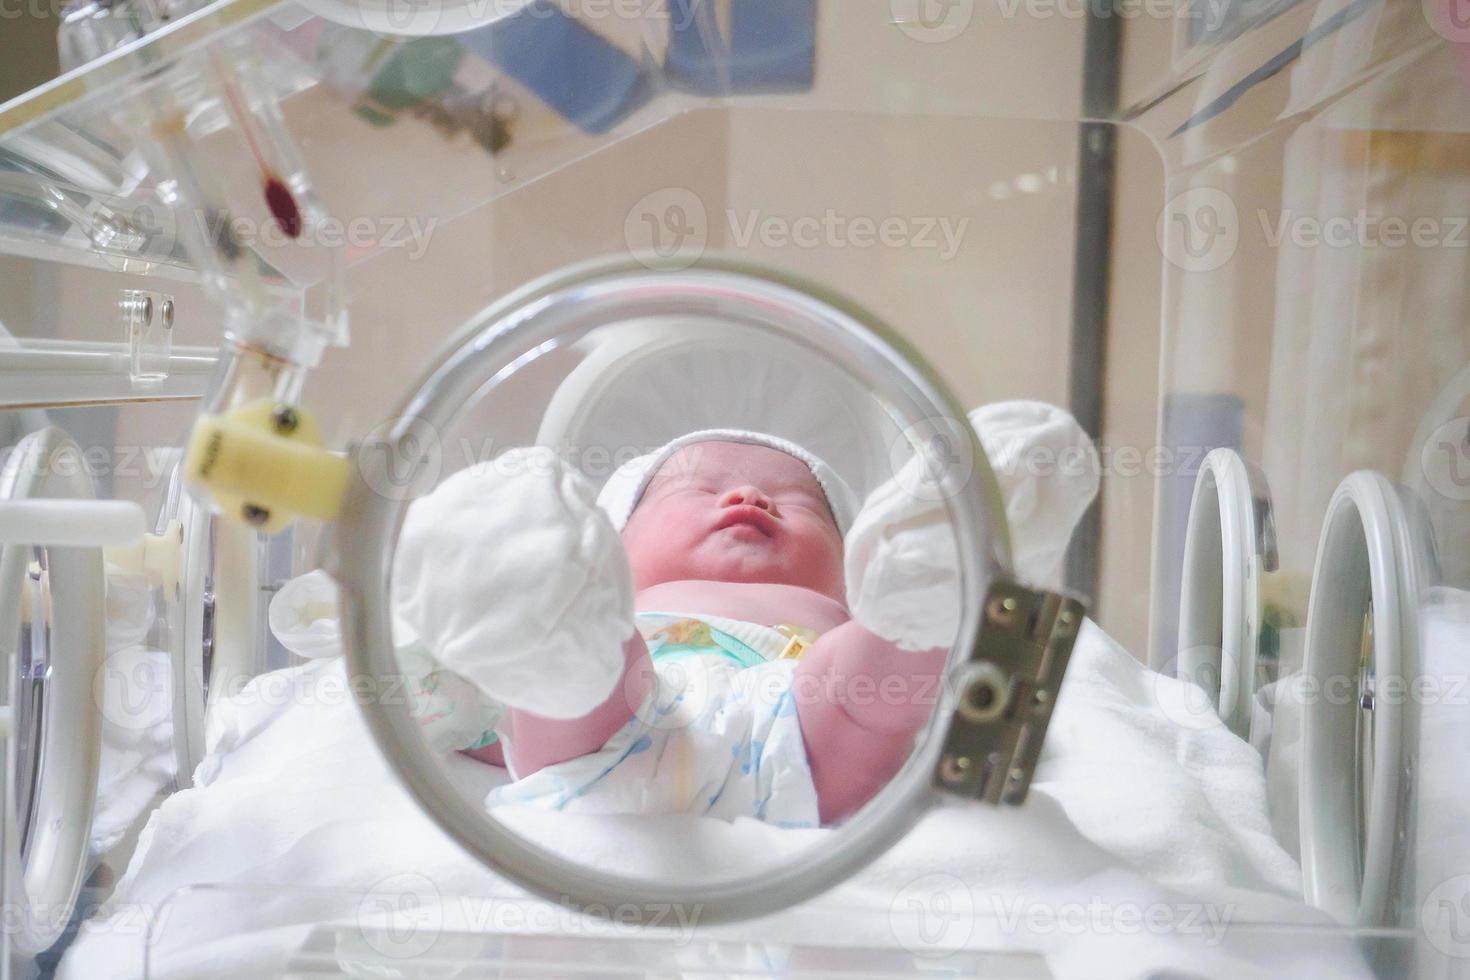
403, 308
994, 316
27, 46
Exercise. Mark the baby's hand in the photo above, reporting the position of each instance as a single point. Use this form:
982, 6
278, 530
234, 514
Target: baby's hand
902, 565
902, 560
515, 579
454, 714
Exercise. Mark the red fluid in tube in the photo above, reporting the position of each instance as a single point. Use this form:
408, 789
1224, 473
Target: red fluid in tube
278, 197
282, 202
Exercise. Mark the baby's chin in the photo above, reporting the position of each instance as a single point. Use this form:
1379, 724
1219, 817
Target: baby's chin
769, 603
735, 561
756, 563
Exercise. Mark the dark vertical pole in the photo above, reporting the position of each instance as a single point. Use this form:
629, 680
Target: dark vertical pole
1092, 263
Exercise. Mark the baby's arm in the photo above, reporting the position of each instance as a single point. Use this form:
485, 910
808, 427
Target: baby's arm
515, 582
861, 700
535, 742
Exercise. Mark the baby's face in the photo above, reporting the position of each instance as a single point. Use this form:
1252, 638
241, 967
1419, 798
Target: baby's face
728, 512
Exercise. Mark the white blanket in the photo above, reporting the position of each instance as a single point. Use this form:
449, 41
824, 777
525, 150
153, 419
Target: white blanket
1145, 847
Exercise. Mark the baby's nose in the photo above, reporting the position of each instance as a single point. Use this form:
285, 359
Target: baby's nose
748, 495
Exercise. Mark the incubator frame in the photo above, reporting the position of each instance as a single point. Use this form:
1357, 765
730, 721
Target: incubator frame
1357, 780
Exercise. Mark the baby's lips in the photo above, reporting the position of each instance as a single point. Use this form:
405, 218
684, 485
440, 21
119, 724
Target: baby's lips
750, 515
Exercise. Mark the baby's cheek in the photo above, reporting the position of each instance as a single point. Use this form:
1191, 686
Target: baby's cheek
643, 555
654, 557
810, 558
822, 544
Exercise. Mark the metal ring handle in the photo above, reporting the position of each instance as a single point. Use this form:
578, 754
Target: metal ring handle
1370, 568
1229, 543
50, 877
559, 310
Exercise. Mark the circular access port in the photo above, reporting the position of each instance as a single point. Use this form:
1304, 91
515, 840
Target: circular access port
1229, 545
1361, 660
213, 648
52, 630
570, 311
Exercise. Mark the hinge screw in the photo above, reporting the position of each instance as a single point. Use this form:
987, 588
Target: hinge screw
285, 419
952, 768
1003, 609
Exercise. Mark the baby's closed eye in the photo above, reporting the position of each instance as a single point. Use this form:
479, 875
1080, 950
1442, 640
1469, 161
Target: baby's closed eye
675, 488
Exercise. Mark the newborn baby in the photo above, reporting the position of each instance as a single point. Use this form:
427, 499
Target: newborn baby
736, 556
744, 687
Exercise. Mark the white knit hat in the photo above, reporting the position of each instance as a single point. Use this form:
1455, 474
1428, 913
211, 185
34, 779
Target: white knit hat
621, 493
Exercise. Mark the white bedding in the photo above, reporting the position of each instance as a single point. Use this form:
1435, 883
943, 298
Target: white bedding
1145, 847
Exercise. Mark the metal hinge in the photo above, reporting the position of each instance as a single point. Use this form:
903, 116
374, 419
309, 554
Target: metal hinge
1006, 693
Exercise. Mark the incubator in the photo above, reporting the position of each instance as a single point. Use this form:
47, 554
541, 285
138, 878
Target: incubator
1135, 334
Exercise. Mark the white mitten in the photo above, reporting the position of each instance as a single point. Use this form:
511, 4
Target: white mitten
1048, 472
130, 610
902, 565
305, 615
901, 561
515, 580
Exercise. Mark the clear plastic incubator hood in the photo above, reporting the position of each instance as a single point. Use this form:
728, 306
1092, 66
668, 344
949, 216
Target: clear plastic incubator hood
737, 488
